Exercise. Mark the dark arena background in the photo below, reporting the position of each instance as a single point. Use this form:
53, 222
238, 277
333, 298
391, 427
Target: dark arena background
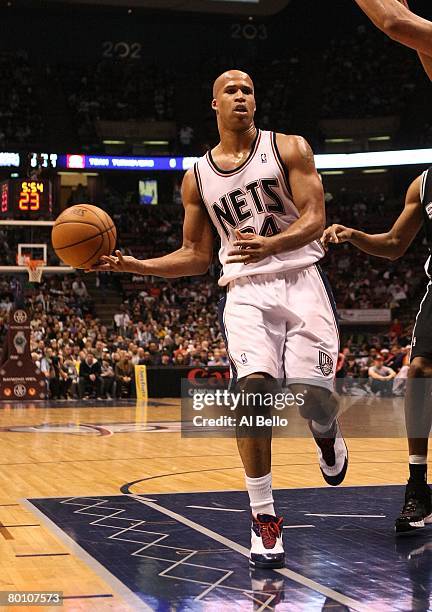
108, 500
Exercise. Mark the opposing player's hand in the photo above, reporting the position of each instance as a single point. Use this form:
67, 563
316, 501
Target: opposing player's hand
250, 248
114, 263
336, 234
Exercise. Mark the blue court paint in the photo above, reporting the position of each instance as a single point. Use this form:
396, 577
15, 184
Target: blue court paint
169, 565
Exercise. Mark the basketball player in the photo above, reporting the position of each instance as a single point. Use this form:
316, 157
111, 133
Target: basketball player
264, 196
395, 19
417, 511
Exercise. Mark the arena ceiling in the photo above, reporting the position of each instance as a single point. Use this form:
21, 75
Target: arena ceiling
237, 7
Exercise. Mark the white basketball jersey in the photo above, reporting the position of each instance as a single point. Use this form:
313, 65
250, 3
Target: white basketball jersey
254, 197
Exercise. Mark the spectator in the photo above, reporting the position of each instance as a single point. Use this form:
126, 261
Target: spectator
340, 372
166, 360
400, 380
70, 379
90, 378
396, 327
381, 377
394, 358
122, 321
145, 359
99, 349
180, 360
155, 354
79, 288
124, 372
386, 355
186, 136
107, 376
217, 359
47, 369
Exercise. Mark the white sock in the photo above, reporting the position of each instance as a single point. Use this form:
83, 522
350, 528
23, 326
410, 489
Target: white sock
417, 459
323, 428
260, 494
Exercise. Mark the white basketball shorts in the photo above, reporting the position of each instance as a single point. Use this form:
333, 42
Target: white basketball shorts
282, 324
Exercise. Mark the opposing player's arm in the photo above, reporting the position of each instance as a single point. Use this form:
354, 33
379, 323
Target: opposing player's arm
426, 60
308, 196
395, 19
392, 244
195, 254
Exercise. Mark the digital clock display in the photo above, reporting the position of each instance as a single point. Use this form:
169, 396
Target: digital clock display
29, 197
26, 199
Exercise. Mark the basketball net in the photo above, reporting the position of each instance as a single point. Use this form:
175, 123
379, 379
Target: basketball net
34, 268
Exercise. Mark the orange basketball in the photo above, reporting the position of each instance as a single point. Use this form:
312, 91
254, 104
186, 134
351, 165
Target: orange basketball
82, 234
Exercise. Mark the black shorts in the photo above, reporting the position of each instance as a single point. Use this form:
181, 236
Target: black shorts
422, 334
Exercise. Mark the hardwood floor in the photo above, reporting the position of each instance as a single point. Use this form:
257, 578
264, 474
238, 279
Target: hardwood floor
94, 450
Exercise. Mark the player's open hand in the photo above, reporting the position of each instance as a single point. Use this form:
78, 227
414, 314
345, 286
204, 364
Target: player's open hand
336, 234
250, 248
404, 2
114, 263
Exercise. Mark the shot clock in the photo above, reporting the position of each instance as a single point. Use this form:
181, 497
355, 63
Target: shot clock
26, 199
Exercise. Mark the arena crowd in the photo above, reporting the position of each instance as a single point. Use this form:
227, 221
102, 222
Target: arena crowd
175, 323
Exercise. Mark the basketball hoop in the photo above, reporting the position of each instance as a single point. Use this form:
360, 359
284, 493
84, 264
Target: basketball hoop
34, 268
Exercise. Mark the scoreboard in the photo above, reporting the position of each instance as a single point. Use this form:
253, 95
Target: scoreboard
26, 199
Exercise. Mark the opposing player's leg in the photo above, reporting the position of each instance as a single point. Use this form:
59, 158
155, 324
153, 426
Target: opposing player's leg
311, 351
417, 509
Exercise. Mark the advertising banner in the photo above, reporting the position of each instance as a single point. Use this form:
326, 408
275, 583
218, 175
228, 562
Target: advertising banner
167, 381
141, 382
364, 316
20, 378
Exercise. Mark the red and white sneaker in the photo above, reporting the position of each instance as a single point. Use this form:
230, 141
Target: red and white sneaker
332, 454
266, 542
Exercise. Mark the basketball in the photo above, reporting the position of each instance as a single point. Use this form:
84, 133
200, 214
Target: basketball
82, 234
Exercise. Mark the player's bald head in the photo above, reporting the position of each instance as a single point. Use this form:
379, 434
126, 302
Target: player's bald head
226, 77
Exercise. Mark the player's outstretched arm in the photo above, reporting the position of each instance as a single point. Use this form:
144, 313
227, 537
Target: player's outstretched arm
395, 19
394, 243
195, 254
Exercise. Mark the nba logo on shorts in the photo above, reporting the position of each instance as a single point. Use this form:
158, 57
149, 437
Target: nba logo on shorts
243, 358
429, 210
325, 363
263, 158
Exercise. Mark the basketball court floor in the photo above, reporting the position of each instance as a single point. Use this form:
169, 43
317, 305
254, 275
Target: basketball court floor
109, 505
